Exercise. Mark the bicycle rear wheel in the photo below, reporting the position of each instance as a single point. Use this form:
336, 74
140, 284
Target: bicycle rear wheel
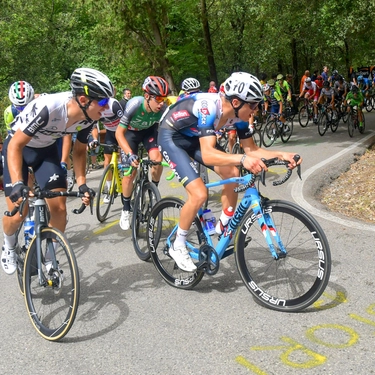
105, 196
52, 307
147, 196
269, 133
292, 282
164, 217
351, 125
323, 124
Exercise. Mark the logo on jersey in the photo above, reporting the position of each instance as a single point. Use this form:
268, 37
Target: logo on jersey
180, 115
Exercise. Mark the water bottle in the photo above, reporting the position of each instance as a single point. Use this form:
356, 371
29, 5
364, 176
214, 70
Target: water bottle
210, 221
28, 230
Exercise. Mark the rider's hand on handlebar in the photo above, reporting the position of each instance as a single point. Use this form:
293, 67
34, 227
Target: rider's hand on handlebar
254, 165
133, 160
88, 194
19, 190
93, 144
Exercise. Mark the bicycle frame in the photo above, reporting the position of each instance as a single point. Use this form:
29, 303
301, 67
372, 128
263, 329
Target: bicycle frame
251, 199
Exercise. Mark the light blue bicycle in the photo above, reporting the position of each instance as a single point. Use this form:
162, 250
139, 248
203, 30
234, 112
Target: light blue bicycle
281, 252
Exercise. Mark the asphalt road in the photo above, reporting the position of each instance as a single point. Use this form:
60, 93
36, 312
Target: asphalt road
130, 322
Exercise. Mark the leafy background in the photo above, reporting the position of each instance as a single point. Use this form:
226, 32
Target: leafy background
43, 41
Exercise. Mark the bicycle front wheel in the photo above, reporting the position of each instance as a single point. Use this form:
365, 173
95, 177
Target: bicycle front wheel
147, 196
162, 223
295, 280
303, 116
106, 195
287, 130
323, 124
52, 300
269, 133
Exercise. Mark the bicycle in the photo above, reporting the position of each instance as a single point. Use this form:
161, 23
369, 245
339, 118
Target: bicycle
275, 128
284, 261
328, 118
47, 269
306, 113
353, 121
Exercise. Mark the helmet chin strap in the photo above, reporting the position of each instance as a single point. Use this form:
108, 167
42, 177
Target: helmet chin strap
84, 108
236, 109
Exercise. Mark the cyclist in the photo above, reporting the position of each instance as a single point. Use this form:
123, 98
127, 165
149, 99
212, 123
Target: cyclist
139, 123
20, 94
327, 94
189, 86
33, 143
274, 100
310, 92
187, 130
355, 98
282, 88
364, 85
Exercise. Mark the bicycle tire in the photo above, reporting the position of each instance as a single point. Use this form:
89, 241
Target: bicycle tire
52, 307
291, 283
257, 138
21, 255
146, 198
351, 125
335, 120
269, 133
323, 124
102, 209
368, 104
165, 215
237, 149
303, 116
286, 136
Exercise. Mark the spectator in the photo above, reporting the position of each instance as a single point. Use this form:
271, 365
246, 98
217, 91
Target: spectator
212, 87
315, 75
263, 78
127, 94
307, 74
325, 73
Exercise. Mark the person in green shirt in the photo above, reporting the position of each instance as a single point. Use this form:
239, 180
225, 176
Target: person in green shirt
355, 98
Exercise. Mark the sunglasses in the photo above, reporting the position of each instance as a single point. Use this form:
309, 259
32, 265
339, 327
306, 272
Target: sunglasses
159, 99
103, 102
253, 105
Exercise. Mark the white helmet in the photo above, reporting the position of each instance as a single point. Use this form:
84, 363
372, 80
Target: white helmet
21, 93
266, 87
91, 83
190, 84
243, 86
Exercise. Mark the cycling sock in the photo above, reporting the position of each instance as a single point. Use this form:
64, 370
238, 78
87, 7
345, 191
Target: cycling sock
126, 203
156, 183
180, 237
10, 241
108, 185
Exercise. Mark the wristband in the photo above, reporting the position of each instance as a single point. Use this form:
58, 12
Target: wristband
243, 159
20, 182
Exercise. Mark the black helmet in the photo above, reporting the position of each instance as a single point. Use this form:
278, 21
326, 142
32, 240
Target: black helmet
355, 89
326, 84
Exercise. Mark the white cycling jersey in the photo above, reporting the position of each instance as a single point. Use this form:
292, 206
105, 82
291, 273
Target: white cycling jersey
111, 116
45, 119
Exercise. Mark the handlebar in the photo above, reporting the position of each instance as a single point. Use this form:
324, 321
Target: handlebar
47, 194
151, 162
262, 176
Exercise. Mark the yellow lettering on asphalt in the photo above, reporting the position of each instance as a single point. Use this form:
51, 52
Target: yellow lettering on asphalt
340, 297
362, 319
371, 309
353, 336
250, 366
298, 350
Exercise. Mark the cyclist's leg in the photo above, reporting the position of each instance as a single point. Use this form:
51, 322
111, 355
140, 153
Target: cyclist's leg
232, 138
50, 166
150, 144
109, 139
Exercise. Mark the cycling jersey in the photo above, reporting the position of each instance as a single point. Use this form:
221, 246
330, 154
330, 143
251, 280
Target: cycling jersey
45, 118
112, 115
340, 89
352, 100
198, 115
273, 99
136, 117
181, 126
10, 114
327, 92
282, 90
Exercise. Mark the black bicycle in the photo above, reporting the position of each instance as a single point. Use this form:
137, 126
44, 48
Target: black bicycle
47, 270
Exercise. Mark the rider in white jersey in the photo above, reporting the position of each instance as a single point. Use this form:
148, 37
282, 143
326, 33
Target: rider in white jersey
32, 142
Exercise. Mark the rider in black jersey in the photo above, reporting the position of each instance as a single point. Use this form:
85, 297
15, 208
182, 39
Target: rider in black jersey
187, 130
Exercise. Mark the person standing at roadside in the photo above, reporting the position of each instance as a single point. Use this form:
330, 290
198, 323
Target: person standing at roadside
301, 85
212, 88
325, 73
127, 94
